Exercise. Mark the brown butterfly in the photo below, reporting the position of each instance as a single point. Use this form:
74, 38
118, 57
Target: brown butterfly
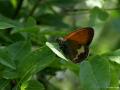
75, 45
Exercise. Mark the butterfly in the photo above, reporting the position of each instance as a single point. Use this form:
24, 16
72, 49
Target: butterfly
75, 46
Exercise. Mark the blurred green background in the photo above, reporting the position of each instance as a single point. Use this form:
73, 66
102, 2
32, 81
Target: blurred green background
58, 17
44, 20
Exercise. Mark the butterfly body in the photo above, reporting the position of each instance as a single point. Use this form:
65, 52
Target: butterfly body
75, 45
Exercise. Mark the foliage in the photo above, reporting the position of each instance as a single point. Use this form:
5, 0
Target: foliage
30, 58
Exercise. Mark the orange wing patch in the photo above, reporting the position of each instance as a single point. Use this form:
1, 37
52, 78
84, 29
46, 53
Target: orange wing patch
82, 36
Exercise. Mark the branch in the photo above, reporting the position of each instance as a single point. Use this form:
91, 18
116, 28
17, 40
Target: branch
19, 5
35, 7
87, 9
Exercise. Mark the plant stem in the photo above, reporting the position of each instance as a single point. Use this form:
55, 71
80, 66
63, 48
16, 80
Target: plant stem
34, 8
19, 5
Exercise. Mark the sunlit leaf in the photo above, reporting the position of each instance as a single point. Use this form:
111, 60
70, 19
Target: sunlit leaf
58, 53
114, 83
113, 56
32, 85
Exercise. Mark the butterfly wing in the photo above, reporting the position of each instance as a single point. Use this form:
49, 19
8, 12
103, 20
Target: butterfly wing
82, 36
75, 45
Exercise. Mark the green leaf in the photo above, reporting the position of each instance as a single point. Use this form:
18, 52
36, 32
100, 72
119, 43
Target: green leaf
6, 60
87, 79
32, 85
10, 74
19, 49
101, 69
72, 66
95, 74
6, 8
93, 16
29, 26
14, 53
1, 70
103, 15
46, 57
4, 25
97, 13
34, 62
31, 29
7, 23
114, 83
113, 56
3, 83
31, 21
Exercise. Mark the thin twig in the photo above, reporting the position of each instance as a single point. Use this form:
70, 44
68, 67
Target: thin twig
86, 9
38, 2
35, 7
